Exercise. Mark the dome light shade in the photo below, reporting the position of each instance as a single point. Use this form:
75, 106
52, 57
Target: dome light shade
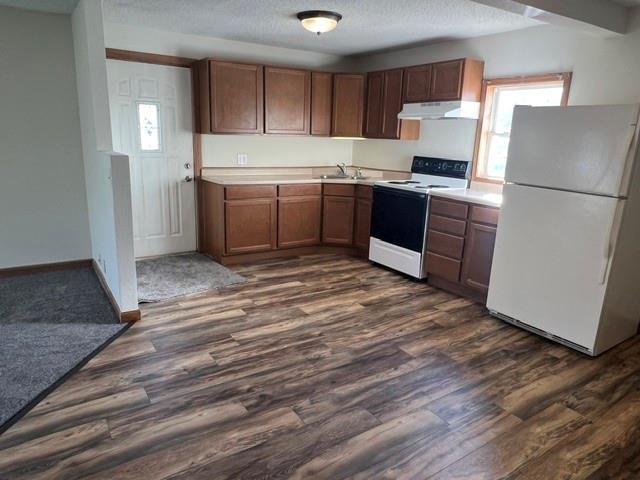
319, 21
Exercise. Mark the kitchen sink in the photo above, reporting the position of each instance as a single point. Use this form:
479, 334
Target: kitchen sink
335, 176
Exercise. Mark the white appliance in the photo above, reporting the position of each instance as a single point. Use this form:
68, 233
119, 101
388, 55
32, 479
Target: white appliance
401, 209
567, 255
440, 110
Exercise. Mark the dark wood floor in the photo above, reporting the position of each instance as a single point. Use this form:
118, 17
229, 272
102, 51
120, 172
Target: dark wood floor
327, 367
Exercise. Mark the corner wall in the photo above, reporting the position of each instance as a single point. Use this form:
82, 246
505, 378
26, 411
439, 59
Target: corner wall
106, 174
43, 208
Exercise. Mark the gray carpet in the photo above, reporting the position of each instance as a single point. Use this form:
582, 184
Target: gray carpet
171, 276
50, 323
72, 295
34, 356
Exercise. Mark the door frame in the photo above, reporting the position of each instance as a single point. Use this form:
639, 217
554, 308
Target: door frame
184, 62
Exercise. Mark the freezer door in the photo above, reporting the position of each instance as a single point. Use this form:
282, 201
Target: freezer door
580, 149
551, 259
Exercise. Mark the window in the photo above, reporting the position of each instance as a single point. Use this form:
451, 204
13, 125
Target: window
149, 127
500, 96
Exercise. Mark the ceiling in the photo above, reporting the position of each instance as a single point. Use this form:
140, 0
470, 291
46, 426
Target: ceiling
52, 6
367, 25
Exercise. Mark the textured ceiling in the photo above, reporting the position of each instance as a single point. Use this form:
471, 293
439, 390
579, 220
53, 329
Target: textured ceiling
53, 6
367, 25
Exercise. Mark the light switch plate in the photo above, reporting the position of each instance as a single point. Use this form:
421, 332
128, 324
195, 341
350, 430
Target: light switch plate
243, 159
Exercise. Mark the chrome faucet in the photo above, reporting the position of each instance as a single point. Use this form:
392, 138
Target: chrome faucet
343, 168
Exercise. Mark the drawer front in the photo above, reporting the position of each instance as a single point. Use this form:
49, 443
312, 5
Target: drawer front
242, 192
485, 215
444, 267
447, 225
340, 190
445, 244
299, 190
449, 209
364, 191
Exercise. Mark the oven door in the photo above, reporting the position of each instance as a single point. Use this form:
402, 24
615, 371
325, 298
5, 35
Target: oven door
399, 217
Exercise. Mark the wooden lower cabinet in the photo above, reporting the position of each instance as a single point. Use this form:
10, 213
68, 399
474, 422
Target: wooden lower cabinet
250, 225
460, 243
478, 255
337, 220
362, 229
299, 221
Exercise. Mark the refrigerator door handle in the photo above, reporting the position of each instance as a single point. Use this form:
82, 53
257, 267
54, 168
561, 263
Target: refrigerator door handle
607, 256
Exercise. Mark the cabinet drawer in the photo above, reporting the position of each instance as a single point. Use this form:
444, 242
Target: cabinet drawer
484, 215
447, 225
445, 244
444, 267
299, 190
249, 191
449, 209
340, 190
364, 191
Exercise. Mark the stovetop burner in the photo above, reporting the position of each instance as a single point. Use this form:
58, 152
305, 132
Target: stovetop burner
431, 186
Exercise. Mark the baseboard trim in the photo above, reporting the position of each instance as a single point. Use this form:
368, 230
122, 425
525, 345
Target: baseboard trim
45, 267
289, 252
129, 316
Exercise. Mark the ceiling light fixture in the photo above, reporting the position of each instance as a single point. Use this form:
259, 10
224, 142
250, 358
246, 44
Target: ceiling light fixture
319, 21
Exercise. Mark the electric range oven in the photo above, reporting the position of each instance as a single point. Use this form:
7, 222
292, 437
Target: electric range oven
401, 209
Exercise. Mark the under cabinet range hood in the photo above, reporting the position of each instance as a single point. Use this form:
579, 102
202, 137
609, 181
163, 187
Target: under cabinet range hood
440, 110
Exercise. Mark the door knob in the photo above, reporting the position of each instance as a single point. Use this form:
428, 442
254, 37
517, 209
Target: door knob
188, 178
187, 165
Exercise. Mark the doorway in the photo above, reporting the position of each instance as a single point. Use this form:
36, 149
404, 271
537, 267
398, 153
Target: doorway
151, 117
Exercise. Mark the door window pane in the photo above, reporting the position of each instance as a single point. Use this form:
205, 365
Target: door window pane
149, 127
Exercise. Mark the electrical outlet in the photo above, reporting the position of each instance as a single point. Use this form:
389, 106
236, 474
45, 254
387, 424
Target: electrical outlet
243, 159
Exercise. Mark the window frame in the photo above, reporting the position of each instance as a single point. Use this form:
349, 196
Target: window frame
160, 148
485, 120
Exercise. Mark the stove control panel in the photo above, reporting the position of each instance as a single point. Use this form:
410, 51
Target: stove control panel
441, 166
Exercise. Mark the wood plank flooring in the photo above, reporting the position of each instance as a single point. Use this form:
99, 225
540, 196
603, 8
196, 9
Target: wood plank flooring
326, 367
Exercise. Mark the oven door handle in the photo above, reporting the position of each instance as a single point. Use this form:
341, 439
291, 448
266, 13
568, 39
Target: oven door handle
398, 192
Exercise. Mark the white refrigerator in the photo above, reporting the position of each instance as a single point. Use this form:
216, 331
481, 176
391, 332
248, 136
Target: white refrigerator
567, 255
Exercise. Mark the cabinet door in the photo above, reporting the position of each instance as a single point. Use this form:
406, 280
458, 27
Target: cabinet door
478, 255
236, 97
287, 101
299, 221
375, 105
321, 100
392, 103
363, 223
250, 225
348, 103
446, 80
417, 83
337, 220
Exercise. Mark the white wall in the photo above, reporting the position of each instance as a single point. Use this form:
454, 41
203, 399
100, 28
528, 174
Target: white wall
222, 150
109, 218
604, 71
43, 212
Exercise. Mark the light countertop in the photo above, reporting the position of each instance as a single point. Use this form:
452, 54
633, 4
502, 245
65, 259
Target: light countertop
281, 179
471, 196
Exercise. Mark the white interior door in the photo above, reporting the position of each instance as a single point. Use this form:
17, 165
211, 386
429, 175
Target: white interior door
551, 259
152, 123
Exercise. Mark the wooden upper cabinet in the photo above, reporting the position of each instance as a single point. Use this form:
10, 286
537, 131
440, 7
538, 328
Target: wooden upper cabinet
287, 99
236, 97
348, 105
456, 80
321, 103
417, 83
374, 105
392, 103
